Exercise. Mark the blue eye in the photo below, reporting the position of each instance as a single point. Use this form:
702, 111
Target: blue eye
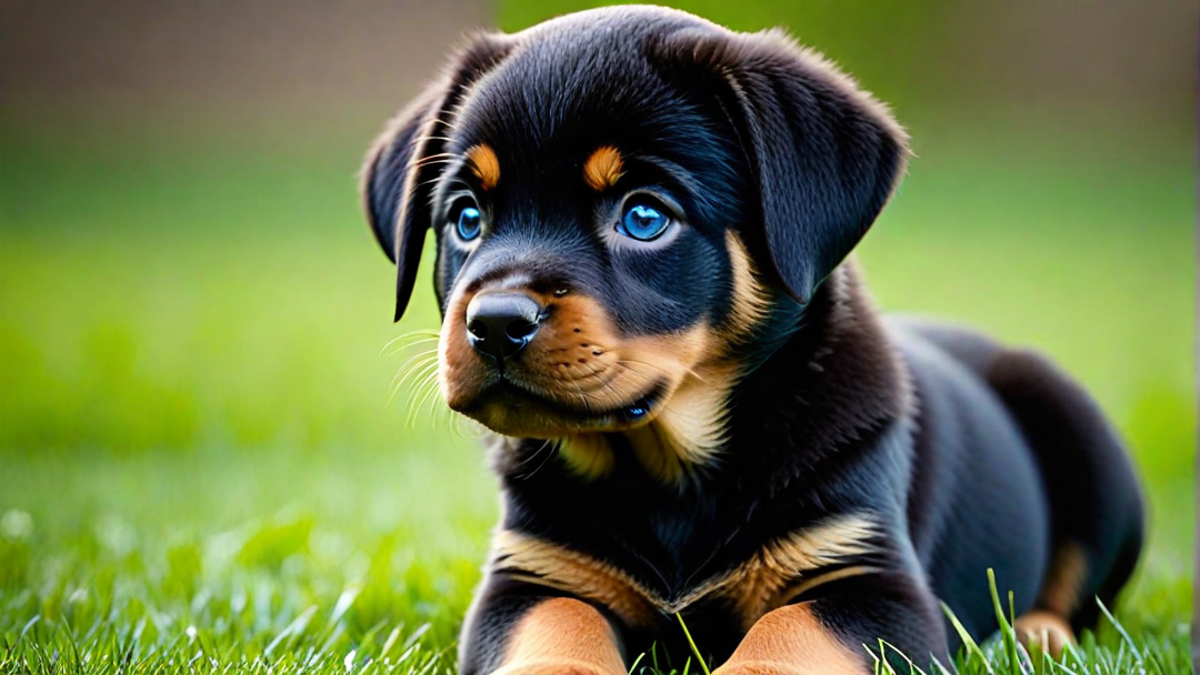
643, 222
469, 223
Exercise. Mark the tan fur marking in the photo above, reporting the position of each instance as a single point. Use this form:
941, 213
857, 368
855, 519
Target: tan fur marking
768, 580
750, 301
588, 454
1064, 582
458, 370
1046, 629
485, 165
604, 168
791, 641
541, 562
562, 636
689, 427
778, 573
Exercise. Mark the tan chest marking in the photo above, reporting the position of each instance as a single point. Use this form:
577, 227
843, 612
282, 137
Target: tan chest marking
778, 573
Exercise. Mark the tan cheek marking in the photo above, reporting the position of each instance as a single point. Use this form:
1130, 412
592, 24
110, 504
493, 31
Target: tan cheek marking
562, 635
689, 427
791, 640
604, 168
458, 372
750, 302
581, 354
485, 165
561, 354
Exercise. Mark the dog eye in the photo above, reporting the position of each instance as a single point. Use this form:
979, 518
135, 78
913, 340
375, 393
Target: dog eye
469, 222
643, 222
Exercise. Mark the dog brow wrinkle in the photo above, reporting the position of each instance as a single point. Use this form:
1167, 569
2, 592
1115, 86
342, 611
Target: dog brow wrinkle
772, 577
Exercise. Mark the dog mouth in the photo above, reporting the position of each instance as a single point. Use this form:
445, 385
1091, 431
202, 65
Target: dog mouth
508, 407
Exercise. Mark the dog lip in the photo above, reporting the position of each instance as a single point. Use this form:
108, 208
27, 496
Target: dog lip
624, 413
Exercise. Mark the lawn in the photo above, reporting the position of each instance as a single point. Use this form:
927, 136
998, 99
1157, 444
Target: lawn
201, 471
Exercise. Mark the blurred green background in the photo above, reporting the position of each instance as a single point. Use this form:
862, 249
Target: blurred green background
195, 427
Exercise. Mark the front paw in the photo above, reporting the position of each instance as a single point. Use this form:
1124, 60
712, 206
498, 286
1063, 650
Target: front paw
782, 668
555, 667
1051, 632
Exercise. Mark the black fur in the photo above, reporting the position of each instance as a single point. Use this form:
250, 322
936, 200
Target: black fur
973, 456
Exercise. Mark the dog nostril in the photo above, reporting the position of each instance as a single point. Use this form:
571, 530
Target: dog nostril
500, 324
478, 328
521, 329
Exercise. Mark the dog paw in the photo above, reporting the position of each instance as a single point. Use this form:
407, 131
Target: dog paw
554, 667
1049, 631
773, 668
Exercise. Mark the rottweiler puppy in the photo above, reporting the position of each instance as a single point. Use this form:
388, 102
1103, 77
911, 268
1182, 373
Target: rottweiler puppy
643, 224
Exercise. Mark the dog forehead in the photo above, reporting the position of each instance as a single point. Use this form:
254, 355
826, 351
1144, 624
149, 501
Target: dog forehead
573, 85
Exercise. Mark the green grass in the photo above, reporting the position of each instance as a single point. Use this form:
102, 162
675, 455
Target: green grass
200, 470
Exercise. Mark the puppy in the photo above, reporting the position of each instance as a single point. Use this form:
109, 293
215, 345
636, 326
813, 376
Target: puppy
643, 221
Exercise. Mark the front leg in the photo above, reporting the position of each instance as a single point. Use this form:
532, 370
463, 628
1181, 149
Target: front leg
826, 635
516, 629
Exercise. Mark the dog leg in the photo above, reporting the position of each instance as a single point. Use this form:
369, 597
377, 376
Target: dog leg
562, 636
515, 629
838, 632
1049, 631
790, 641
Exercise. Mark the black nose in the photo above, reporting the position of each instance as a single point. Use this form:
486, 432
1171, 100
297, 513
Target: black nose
501, 324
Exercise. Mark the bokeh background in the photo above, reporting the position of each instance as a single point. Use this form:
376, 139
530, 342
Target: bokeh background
196, 422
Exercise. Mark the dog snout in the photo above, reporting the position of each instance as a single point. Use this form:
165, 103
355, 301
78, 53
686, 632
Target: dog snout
500, 324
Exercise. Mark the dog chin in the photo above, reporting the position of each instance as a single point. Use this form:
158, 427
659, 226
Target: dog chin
509, 410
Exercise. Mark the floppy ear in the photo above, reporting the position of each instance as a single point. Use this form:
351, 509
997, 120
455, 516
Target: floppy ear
825, 155
399, 170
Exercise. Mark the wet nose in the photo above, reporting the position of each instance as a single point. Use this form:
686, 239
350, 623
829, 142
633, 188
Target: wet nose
500, 324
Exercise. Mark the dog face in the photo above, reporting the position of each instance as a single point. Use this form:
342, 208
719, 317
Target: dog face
628, 204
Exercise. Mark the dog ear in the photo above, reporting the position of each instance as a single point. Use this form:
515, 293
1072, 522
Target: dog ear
398, 173
825, 155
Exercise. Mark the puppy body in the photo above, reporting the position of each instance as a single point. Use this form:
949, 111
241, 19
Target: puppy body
710, 417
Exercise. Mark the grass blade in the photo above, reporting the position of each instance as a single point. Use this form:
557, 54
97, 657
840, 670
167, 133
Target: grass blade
692, 643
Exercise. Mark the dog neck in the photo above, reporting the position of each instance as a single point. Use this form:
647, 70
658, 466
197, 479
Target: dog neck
835, 380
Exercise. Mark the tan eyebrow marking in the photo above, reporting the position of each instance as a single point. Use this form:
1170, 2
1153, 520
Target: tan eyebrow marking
604, 168
484, 164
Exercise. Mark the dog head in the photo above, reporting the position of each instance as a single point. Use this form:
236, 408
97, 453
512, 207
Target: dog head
622, 200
